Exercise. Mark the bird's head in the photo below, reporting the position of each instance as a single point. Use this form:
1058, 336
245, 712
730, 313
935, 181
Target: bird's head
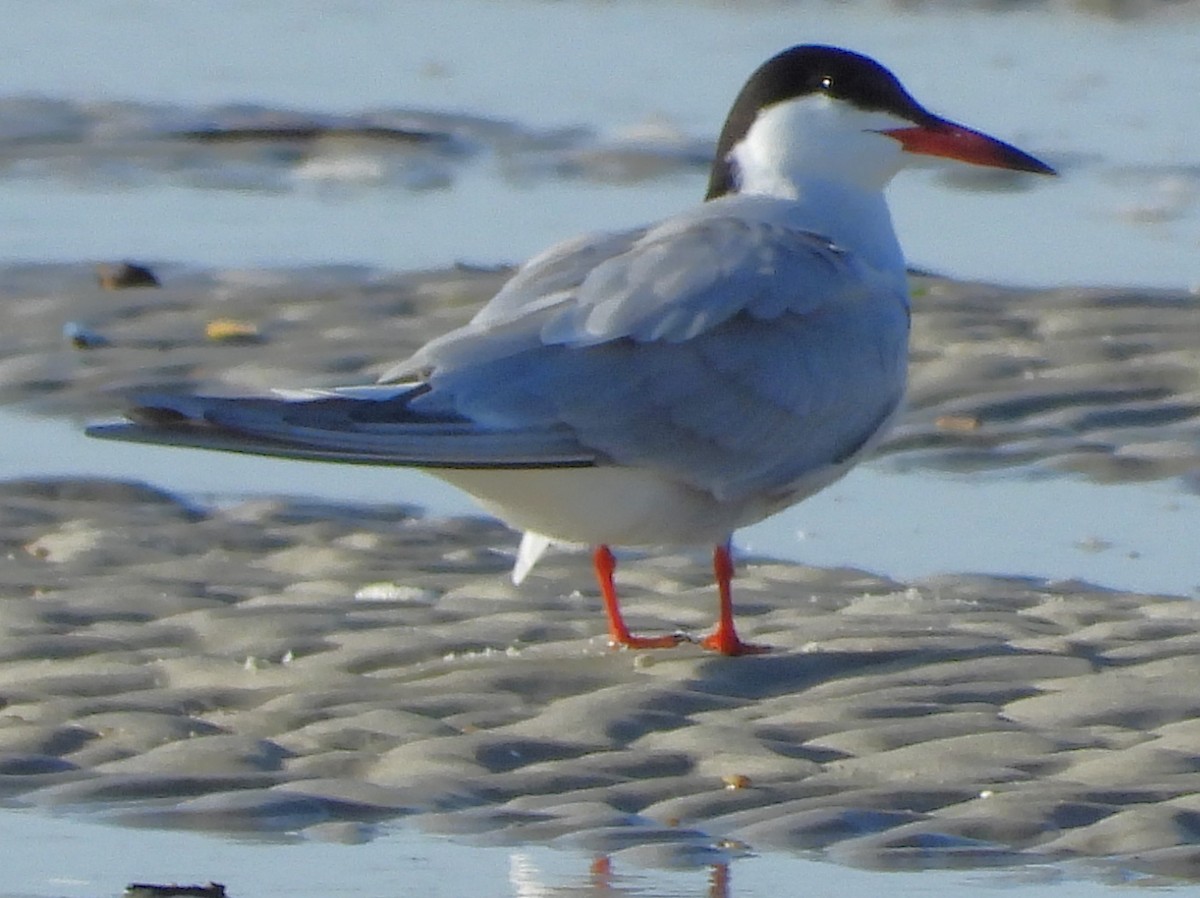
823, 112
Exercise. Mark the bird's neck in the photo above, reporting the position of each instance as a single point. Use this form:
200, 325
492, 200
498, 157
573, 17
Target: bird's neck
854, 218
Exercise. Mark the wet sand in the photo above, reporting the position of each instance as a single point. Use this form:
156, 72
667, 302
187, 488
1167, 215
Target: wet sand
1104, 382
272, 666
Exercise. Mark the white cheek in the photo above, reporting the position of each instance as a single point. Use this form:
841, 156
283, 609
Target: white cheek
816, 138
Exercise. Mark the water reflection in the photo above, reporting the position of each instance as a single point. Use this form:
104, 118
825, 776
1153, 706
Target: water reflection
602, 879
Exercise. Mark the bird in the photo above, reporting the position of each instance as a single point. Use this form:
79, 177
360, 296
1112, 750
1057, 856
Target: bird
666, 385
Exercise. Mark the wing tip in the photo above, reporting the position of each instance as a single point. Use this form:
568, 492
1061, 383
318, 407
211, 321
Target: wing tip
157, 416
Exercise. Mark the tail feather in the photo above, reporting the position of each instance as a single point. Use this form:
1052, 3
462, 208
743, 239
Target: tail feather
533, 547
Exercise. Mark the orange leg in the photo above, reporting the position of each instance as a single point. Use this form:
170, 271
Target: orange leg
724, 638
618, 633
601, 873
718, 881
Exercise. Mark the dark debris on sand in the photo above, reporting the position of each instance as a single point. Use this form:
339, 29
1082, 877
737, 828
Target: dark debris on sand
150, 890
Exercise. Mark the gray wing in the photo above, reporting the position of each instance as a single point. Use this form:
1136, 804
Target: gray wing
668, 283
731, 354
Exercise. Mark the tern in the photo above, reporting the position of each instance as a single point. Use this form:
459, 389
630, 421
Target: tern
666, 385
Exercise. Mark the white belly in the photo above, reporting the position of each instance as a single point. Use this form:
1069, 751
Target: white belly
618, 506
601, 505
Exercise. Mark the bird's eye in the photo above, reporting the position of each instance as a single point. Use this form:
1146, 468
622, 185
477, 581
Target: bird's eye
825, 82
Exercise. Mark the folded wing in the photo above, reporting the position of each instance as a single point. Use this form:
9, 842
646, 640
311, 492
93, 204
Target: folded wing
725, 350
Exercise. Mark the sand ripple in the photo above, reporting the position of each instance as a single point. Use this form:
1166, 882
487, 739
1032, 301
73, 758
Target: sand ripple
1100, 381
250, 669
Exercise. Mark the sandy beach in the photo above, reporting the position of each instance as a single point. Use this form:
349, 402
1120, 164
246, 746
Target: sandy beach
205, 677
1097, 381
271, 666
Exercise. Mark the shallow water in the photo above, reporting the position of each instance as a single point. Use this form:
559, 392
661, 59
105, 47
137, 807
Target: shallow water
91, 859
1107, 101
905, 524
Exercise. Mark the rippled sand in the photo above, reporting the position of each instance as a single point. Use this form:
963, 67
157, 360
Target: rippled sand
272, 666
1100, 381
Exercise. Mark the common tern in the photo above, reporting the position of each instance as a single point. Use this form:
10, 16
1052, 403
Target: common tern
667, 385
